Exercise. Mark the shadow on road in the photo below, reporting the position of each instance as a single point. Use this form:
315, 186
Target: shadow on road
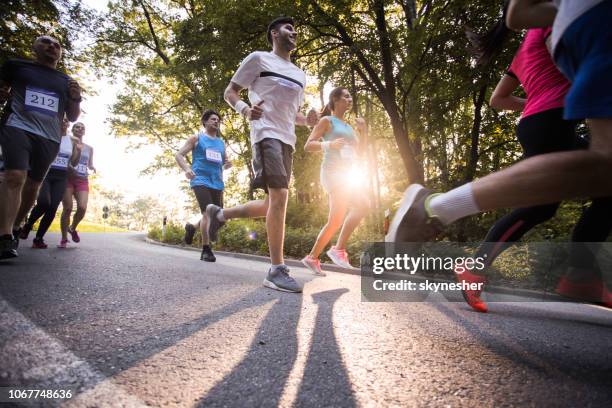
260, 378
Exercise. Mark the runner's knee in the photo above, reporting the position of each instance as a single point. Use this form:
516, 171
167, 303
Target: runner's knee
14, 178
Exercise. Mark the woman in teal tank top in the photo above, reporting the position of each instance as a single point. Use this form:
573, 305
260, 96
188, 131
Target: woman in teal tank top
340, 177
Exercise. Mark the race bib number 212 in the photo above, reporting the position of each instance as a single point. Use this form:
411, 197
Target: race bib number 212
40, 100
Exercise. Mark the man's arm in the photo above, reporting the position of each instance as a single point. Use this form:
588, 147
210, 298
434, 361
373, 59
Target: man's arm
182, 153
311, 119
530, 14
5, 91
73, 109
232, 97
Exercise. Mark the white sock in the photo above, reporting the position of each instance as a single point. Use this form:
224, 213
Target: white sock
273, 267
220, 216
455, 204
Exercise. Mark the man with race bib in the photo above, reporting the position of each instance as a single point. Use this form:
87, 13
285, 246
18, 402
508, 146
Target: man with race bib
39, 96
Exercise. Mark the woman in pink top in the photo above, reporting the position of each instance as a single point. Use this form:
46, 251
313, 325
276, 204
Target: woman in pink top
541, 129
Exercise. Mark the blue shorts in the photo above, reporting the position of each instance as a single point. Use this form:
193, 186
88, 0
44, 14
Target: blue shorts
584, 56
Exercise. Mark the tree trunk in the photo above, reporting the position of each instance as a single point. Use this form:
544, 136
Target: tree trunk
478, 100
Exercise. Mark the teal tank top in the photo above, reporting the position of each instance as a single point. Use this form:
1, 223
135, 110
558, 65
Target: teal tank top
346, 155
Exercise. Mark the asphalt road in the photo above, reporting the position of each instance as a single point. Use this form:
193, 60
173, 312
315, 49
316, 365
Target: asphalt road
124, 323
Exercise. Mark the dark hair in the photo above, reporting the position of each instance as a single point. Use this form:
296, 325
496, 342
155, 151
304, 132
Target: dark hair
207, 114
275, 24
486, 46
334, 95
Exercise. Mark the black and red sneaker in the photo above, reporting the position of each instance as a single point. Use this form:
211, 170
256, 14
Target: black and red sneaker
472, 297
592, 291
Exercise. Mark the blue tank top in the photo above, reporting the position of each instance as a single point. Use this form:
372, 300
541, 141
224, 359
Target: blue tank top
208, 157
346, 155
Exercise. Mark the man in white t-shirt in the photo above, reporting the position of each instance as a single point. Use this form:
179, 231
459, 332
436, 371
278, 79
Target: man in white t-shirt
276, 92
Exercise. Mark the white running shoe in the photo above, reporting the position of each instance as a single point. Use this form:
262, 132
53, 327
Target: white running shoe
339, 257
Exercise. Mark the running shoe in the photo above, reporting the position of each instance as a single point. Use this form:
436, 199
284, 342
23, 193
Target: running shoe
74, 235
594, 291
25, 231
411, 223
214, 225
16, 233
279, 279
8, 247
63, 244
313, 264
39, 243
472, 297
207, 254
339, 257
190, 231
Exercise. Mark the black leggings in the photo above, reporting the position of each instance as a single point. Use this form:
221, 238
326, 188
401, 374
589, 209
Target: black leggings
49, 197
547, 132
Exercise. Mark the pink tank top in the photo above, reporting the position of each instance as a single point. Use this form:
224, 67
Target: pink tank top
533, 66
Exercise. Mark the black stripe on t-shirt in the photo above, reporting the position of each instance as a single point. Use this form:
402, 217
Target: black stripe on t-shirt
274, 74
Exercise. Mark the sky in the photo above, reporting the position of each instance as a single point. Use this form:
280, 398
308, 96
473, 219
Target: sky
117, 167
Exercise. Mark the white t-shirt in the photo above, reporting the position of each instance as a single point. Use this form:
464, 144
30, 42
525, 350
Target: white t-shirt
280, 84
568, 12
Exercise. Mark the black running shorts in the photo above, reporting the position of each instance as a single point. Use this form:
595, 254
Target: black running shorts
23, 150
206, 196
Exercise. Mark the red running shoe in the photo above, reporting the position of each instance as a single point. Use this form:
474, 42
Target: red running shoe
594, 291
39, 243
74, 234
472, 297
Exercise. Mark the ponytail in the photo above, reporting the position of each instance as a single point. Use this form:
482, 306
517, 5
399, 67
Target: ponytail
486, 46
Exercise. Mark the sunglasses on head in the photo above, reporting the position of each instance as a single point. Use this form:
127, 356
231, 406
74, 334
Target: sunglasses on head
49, 41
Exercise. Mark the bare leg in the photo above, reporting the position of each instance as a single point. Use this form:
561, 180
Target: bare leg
337, 209
28, 197
10, 191
351, 222
82, 198
252, 209
66, 211
203, 225
553, 177
275, 223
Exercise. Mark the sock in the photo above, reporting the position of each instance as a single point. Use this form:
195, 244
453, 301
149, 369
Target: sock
6, 237
274, 267
449, 207
205, 246
220, 216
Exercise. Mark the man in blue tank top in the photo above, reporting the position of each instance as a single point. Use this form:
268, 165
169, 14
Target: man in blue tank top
205, 174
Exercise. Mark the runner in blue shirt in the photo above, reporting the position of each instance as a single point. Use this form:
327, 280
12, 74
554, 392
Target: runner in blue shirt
205, 174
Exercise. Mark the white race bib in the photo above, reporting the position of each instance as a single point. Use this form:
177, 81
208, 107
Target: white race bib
214, 156
347, 152
81, 169
42, 101
60, 161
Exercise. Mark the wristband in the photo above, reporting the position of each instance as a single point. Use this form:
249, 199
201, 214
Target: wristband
325, 146
240, 106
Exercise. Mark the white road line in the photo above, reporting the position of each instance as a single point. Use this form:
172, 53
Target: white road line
30, 358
